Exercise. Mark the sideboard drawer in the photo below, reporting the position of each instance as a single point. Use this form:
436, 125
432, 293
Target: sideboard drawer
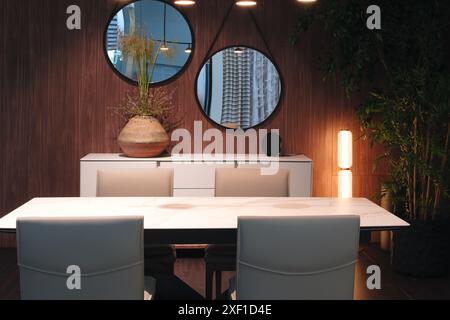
199, 175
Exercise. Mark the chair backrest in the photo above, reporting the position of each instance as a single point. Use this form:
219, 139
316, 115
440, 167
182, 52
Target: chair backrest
153, 182
249, 182
297, 257
108, 251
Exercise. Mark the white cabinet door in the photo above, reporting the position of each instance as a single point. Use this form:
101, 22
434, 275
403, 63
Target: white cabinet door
197, 175
88, 172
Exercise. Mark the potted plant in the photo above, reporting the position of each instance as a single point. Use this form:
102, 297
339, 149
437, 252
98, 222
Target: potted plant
145, 108
414, 129
407, 111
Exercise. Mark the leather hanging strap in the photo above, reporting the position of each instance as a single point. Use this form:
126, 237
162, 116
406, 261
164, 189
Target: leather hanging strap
219, 31
261, 34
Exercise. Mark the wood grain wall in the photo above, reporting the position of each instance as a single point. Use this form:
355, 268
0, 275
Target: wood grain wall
57, 90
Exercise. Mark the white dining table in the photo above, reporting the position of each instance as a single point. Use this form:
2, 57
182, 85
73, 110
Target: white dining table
190, 220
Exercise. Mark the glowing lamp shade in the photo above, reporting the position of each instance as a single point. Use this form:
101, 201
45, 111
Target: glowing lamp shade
345, 153
246, 3
345, 161
184, 2
345, 184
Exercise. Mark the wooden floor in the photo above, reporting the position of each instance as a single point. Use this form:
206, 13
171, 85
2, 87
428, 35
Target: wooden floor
191, 270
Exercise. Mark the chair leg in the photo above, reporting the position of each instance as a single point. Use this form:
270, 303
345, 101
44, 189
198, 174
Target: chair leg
218, 284
208, 283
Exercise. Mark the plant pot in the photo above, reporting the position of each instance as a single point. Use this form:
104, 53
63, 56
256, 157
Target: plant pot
422, 250
143, 137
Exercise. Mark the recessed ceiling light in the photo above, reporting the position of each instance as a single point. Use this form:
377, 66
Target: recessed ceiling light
164, 47
306, 0
184, 2
246, 3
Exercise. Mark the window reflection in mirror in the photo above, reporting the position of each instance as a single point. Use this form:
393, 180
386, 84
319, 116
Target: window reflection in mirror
238, 87
159, 23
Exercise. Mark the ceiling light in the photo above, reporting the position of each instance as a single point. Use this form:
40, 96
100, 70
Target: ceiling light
246, 3
306, 1
184, 2
164, 47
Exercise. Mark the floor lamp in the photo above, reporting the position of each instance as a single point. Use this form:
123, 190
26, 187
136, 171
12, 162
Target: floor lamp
345, 161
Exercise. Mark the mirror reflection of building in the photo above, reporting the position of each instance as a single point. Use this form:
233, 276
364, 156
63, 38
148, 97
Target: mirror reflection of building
238, 87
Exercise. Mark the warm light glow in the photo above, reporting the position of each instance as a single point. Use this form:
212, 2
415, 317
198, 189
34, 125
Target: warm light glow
345, 153
164, 47
246, 3
184, 2
345, 162
306, 1
345, 184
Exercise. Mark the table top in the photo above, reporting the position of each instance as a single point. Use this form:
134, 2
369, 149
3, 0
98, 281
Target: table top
204, 213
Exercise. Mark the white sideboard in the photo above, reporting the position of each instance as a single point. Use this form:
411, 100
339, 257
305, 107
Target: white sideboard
194, 175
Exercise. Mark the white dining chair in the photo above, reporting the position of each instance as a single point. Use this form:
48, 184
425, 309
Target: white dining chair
249, 182
99, 258
241, 182
148, 182
296, 258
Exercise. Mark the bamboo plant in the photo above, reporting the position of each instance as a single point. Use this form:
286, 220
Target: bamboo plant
406, 107
414, 129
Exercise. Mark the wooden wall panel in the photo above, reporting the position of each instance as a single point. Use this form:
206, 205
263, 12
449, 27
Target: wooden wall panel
57, 92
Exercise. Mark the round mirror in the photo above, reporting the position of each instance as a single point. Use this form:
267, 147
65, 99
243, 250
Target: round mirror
148, 38
238, 87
